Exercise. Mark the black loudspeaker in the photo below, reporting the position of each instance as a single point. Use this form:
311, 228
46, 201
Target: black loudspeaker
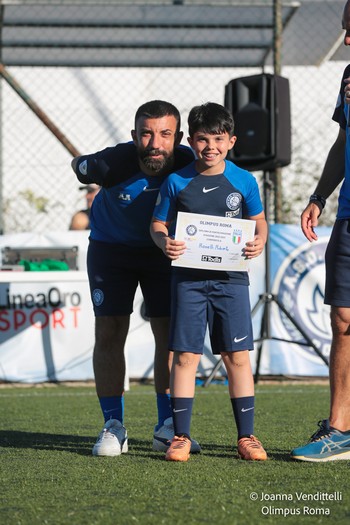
260, 105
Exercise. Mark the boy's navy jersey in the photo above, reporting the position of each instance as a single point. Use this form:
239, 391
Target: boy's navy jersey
341, 115
234, 193
122, 210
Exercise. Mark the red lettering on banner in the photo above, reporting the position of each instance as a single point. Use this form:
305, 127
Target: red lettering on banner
39, 324
4, 322
39, 318
57, 318
19, 319
75, 311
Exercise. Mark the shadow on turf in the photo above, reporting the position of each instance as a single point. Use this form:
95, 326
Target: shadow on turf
83, 444
38, 440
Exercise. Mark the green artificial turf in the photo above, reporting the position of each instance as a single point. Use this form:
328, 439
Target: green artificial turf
48, 475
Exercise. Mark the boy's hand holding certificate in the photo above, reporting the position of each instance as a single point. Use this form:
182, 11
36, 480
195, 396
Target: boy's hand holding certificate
213, 243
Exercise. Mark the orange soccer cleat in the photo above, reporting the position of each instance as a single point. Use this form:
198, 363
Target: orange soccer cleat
250, 448
179, 449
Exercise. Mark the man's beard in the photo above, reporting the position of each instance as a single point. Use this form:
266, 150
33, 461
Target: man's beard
157, 165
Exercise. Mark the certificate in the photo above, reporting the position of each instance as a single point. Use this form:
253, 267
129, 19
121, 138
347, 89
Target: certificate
213, 243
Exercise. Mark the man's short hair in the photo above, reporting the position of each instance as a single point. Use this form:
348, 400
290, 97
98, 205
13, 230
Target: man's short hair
158, 109
210, 118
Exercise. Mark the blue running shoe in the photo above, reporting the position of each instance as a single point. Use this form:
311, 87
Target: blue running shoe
326, 444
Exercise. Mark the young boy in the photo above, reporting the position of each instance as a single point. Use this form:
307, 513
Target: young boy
210, 185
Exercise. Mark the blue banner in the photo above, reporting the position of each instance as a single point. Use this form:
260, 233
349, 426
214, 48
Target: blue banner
297, 273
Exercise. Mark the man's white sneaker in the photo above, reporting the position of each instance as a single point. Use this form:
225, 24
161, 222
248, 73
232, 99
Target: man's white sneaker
112, 441
164, 435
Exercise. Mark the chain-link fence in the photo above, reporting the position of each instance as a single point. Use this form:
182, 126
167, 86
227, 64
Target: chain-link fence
94, 107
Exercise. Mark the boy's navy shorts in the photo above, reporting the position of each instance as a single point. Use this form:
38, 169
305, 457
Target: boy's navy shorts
224, 307
115, 271
337, 258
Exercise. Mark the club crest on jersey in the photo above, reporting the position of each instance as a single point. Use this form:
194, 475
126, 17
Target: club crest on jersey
233, 201
97, 297
83, 167
236, 236
299, 286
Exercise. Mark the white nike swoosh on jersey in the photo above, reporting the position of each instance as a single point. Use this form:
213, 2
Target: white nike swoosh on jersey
238, 340
150, 189
179, 410
207, 190
246, 409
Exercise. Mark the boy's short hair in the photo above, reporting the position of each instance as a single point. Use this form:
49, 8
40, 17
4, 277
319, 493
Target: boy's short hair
158, 109
210, 118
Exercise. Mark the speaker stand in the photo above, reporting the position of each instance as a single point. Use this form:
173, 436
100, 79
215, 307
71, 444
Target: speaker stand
265, 300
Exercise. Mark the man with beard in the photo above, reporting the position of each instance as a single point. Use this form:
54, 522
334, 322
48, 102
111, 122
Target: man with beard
122, 255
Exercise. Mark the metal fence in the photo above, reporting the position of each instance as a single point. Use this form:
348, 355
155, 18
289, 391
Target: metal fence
92, 101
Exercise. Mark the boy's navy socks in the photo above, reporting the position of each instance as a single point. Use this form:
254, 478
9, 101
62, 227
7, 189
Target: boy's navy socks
182, 413
243, 410
112, 408
164, 409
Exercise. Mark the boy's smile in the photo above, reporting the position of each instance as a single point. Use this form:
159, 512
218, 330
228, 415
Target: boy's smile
211, 150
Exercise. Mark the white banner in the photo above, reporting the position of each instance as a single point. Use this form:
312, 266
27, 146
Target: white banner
47, 321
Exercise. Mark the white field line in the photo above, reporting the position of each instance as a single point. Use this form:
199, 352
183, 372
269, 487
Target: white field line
207, 391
